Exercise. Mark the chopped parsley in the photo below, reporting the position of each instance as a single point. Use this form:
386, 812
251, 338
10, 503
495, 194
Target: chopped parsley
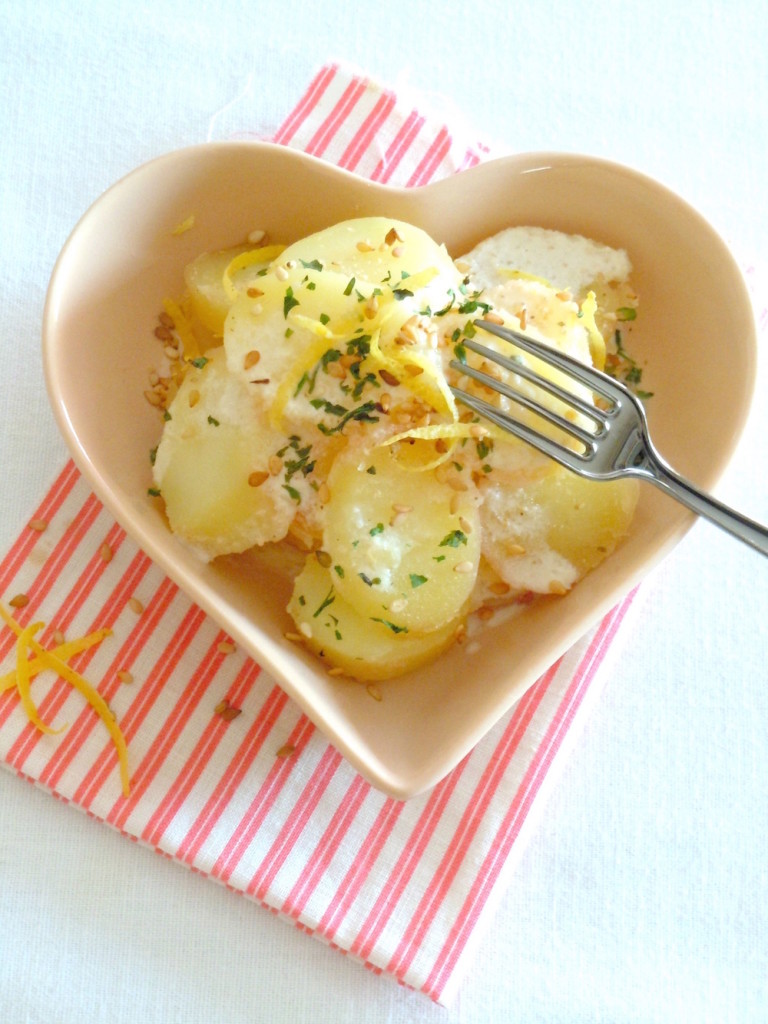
289, 302
391, 625
417, 580
453, 539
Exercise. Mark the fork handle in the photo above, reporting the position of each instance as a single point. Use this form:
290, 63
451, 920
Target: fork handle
752, 533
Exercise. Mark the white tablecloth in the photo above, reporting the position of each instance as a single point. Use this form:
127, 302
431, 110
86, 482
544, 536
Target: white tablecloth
642, 895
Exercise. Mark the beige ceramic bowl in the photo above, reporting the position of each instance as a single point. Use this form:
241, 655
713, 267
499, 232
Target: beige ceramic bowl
695, 337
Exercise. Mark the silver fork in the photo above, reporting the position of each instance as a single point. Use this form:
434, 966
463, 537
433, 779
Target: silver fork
619, 444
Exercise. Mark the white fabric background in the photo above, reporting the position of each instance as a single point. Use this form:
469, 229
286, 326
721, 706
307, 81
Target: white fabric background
643, 895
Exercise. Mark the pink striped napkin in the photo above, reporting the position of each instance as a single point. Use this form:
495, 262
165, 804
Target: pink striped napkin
262, 802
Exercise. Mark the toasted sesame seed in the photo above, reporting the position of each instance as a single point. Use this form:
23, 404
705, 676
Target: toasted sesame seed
135, 605
286, 750
226, 647
38, 525
125, 676
166, 320
323, 493
251, 358
500, 588
373, 691
58, 636
257, 478
295, 638
19, 601
323, 558
221, 707
231, 712
163, 333
485, 612
153, 398
364, 247
106, 552
194, 398
464, 567
493, 318
556, 587
275, 465
392, 236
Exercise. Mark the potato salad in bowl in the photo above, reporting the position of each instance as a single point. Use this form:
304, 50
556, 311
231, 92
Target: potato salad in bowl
307, 409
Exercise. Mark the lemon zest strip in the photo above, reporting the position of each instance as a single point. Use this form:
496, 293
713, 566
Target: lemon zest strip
596, 340
48, 660
251, 258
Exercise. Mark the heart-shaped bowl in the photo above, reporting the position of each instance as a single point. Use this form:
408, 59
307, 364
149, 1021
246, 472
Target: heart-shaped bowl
695, 337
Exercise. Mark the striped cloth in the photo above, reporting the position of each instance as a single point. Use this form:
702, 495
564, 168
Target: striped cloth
262, 802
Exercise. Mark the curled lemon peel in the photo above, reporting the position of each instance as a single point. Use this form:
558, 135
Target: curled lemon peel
429, 385
24, 641
596, 339
53, 660
65, 651
251, 258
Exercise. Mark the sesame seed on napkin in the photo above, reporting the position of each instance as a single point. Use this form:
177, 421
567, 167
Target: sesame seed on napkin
228, 776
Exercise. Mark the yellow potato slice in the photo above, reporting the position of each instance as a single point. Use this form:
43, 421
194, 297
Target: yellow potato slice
405, 547
362, 647
212, 465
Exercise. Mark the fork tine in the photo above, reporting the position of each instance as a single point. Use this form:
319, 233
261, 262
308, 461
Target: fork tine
583, 436
548, 446
593, 379
531, 375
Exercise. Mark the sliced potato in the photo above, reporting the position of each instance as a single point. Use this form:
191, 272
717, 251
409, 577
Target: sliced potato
363, 647
204, 279
212, 465
405, 547
546, 535
375, 250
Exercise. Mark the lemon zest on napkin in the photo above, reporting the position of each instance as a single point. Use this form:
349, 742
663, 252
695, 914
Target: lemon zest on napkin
54, 660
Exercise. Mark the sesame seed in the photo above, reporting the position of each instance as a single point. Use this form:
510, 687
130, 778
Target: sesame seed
281, 273
58, 636
464, 567
153, 398
373, 691
194, 398
125, 676
38, 525
257, 478
230, 713
258, 237
19, 601
306, 630
286, 750
226, 647
135, 605
221, 707
106, 552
